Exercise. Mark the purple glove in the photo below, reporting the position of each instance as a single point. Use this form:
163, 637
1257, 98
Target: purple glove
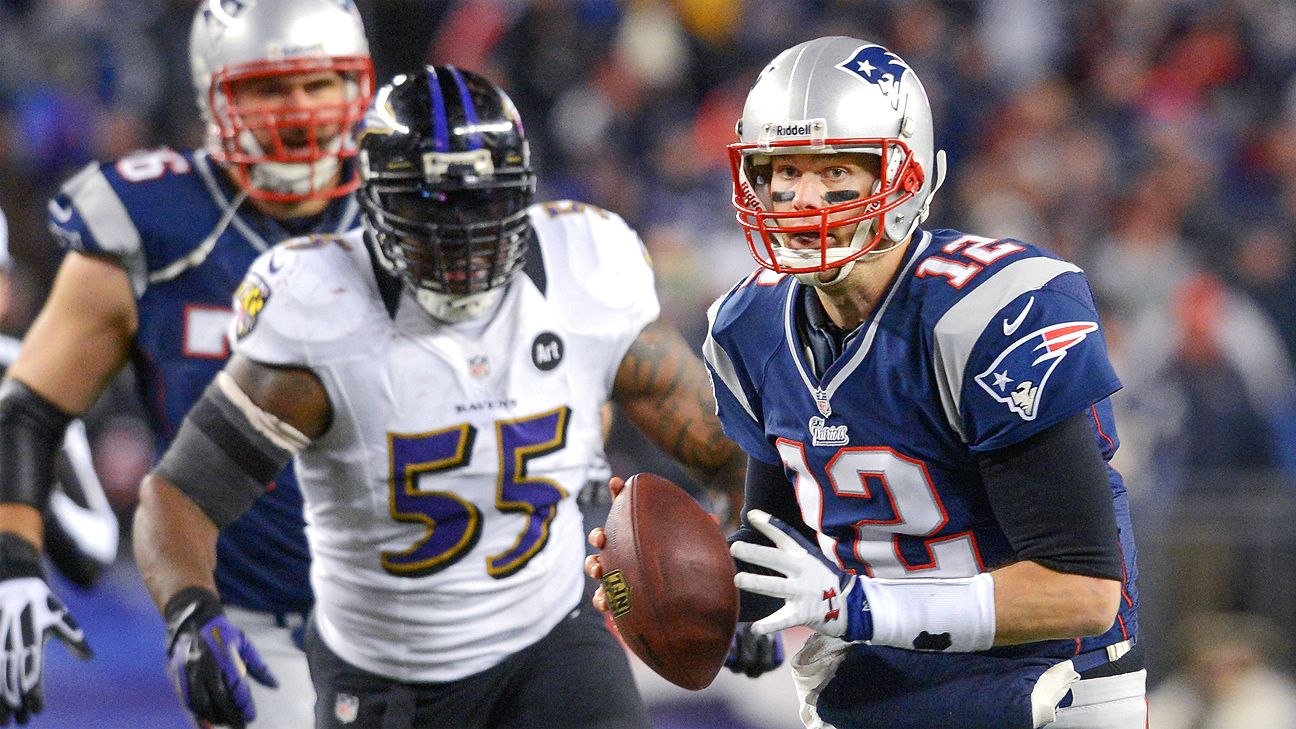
753, 654
209, 660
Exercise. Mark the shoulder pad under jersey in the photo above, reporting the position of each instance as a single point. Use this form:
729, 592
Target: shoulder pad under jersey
304, 299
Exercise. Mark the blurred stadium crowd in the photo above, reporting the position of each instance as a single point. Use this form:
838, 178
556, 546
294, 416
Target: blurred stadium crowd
1151, 141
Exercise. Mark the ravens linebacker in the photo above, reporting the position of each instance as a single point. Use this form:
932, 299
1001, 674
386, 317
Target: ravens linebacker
439, 378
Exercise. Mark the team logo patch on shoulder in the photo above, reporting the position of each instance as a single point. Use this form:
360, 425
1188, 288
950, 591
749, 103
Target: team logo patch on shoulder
249, 299
1018, 375
546, 351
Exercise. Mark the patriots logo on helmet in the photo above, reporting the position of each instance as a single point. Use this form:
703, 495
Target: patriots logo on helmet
880, 67
1018, 375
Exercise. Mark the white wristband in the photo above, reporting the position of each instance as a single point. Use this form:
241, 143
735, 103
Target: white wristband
952, 614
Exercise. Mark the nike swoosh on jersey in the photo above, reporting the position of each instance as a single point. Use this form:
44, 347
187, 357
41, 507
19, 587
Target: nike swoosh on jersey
1010, 327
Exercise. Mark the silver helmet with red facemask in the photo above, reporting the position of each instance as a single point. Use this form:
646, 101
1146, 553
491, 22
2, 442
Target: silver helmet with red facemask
281, 154
829, 96
446, 181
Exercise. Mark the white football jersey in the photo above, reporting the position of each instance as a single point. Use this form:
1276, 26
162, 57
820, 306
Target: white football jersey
441, 502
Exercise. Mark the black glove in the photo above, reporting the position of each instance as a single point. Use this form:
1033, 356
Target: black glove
29, 614
209, 659
754, 654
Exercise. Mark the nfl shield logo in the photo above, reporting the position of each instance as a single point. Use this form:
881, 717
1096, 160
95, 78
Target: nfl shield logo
479, 366
824, 407
346, 707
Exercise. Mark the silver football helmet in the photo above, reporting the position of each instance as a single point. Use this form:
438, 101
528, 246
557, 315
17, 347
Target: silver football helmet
235, 40
825, 96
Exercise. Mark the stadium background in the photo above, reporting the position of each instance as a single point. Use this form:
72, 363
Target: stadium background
1151, 141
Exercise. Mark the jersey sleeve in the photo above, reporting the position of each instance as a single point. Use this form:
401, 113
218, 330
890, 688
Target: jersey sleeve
737, 400
602, 273
87, 215
1039, 359
298, 303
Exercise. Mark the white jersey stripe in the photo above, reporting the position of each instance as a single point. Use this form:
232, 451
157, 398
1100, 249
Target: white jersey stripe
721, 364
106, 218
229, 206
960, 327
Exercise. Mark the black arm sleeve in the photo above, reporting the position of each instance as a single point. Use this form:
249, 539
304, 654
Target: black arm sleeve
1053, 500
767, 488
220, 459
31, 433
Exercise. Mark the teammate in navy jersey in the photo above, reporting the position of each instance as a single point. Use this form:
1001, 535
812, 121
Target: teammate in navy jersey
928, 428
439, 379
157, 242
80, 536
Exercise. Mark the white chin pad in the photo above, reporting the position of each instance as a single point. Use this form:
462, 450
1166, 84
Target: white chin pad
802, 257
812, 278
293, 178
454, 309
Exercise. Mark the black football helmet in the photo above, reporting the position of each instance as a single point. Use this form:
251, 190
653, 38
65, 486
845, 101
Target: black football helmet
446, 180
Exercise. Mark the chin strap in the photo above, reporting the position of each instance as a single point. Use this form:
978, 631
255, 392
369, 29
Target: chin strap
812, 278
442, 307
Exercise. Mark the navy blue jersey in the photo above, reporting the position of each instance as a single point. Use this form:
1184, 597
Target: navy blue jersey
977, 345
186, 236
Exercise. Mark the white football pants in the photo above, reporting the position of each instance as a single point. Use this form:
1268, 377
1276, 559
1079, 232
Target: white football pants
292, 705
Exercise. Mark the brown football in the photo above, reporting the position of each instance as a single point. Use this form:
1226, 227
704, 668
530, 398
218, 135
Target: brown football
668, 578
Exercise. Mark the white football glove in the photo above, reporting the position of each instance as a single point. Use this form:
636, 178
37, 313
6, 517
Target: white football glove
29, 614
816, 592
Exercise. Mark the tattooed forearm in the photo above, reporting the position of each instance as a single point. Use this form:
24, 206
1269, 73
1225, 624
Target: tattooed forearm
662, 387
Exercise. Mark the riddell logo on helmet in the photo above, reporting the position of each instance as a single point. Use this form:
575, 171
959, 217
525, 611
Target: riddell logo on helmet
795, 129
812, 130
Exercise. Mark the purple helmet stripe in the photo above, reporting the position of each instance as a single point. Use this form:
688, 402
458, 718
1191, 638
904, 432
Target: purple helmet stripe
440, 129
470, 110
